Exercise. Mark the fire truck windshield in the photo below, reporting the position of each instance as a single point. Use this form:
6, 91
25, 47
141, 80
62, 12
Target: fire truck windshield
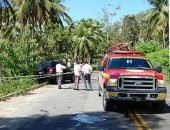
130, 63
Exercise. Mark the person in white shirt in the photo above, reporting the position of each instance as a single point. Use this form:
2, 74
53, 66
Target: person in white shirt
77, 70
87, 71
59, 73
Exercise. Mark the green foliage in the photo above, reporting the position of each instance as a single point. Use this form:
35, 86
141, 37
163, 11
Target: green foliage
130, 29
160, 58
149, 47
86, 36
157, 55
94, 67
98, 53
19, 86
168, 69
158, 20
17, 57
54, 43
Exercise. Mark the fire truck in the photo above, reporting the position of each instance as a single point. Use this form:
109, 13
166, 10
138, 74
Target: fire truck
126, 75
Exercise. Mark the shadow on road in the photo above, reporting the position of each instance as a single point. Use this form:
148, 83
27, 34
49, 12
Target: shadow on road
76, 121
116, 119
142, 108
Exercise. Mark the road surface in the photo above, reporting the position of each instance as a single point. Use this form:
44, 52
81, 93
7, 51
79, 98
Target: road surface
50, 108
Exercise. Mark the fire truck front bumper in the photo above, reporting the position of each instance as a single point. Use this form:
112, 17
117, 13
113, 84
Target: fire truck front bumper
136, 96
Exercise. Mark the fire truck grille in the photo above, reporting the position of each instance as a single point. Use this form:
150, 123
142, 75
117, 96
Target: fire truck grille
137, 83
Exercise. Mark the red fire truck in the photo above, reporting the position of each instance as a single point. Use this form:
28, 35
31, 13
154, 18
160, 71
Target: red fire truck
126, 75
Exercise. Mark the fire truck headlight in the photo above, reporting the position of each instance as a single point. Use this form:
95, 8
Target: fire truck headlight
112, 82
161, 83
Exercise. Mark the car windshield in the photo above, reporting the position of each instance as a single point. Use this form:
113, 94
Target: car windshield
130, 63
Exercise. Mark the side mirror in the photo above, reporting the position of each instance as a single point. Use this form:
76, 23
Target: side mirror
100, 67
158, 69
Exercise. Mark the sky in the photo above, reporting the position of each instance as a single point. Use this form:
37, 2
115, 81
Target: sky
79, 9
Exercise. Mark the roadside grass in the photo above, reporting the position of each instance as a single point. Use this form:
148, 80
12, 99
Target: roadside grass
15, 87
167, 79
167, 76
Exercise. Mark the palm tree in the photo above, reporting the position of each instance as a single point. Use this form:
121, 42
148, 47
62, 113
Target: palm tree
58, 14
86, 36
39, 12
6, 11
11, 32
158, 19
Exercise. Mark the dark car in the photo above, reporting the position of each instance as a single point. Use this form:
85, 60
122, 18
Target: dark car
46, 71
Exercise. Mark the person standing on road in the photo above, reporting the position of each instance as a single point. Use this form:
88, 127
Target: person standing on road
59, 73
87, 71
77, 70
80, 64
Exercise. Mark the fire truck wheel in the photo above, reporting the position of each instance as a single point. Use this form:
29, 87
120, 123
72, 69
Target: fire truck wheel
160, 106
106, 102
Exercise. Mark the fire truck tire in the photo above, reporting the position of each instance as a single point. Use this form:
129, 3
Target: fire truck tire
106, 102
160, 106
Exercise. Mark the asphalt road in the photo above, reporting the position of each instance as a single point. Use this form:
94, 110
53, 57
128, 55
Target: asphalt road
50, 108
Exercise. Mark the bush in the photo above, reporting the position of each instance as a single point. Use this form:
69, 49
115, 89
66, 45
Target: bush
160, 58
168, 69
149, 47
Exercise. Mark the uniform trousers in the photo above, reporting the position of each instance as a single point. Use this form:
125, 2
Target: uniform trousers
77, 81
87, 80
59, 79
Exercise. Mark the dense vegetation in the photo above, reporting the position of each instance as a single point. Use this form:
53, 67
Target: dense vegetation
157, 55
34, 30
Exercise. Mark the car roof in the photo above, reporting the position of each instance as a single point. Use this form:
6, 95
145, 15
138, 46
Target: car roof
48, 62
